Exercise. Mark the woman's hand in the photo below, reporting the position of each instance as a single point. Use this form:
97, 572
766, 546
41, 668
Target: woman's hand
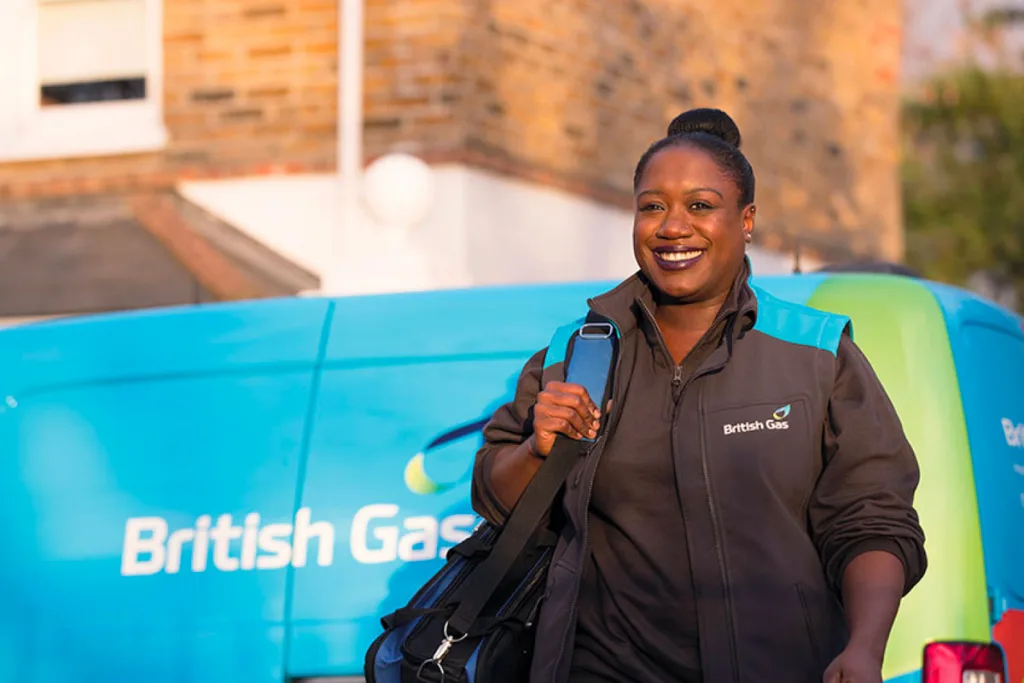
872, 587
854, 665
566, 409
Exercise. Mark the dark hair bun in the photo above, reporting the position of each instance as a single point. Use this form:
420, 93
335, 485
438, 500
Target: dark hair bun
711, 121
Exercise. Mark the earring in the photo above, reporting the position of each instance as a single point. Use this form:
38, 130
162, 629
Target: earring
746, 235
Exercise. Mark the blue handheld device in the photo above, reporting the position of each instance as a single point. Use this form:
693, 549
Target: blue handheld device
590, 364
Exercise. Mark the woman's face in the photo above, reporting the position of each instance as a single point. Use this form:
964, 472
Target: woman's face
689, 229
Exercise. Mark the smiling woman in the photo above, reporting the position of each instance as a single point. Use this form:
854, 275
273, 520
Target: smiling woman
747, 504
694, 210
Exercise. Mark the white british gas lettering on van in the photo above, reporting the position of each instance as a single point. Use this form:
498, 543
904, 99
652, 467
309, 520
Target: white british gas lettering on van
377, 536
150, 547
1014, 433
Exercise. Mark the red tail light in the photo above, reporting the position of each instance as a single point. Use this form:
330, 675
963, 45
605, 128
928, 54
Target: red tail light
963, 663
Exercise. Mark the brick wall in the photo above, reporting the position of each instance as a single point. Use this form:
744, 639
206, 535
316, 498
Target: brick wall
250, 86
571, 92
417, 71
568, 92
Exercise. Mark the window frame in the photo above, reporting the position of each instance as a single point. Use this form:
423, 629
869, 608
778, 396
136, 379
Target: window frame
29, 131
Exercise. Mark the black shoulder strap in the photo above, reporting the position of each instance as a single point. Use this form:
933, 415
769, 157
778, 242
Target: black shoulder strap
522, 523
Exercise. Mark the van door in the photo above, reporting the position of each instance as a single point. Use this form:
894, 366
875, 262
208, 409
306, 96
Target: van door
989, 348
992, 374
148, 466
407, 385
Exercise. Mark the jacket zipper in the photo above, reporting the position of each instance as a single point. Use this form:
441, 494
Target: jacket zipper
678, 388
590, 450
718, 545
677, 368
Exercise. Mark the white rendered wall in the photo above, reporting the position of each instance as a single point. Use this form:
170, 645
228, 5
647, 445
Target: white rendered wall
483, 229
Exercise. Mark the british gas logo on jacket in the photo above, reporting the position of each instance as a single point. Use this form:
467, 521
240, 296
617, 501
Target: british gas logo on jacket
778, 421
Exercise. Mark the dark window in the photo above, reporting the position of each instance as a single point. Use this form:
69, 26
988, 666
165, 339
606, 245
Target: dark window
93, 91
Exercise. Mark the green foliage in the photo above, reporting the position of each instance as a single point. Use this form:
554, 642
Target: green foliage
963, 177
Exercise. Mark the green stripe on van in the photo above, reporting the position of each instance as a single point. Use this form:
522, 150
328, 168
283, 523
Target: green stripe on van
901, 329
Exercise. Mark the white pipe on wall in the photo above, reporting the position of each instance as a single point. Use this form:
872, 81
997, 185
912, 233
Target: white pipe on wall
350, 89
349, 140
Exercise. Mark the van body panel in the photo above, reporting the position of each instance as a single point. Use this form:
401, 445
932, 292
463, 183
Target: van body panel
402, 373
187, 340
124, 429
459, 323
372, 428
901, 328
988, 344
344, 431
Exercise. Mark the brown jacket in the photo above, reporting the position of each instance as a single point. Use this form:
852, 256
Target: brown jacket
790, 461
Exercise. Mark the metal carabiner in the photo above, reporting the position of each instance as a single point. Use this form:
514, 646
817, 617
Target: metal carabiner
440, 653
419, 671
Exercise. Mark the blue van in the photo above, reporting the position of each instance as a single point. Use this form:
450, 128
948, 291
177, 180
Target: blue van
236, 493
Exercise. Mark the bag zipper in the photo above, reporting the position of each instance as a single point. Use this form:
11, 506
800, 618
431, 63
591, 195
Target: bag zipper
460, 577
522, 590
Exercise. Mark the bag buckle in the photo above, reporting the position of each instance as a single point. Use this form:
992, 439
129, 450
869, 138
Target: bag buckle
596, 330
440, 653
442, 650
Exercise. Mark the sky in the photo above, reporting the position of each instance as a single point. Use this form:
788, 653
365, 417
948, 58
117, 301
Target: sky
932, 31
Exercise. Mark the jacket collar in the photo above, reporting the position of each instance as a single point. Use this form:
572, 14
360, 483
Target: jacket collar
623, 305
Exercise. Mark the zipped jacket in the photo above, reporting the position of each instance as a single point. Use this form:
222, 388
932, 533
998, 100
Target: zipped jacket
790, 461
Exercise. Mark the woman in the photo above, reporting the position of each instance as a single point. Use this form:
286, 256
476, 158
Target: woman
747, 513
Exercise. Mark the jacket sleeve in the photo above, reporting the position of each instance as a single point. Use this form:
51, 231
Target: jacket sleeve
510, 426
864, 497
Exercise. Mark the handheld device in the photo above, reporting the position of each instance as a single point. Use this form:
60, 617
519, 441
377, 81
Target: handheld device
590, 363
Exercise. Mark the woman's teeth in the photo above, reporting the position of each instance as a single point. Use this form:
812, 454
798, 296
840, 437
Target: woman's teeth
679, 255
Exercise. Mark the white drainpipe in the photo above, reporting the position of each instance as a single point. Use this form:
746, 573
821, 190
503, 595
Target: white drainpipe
349, 140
